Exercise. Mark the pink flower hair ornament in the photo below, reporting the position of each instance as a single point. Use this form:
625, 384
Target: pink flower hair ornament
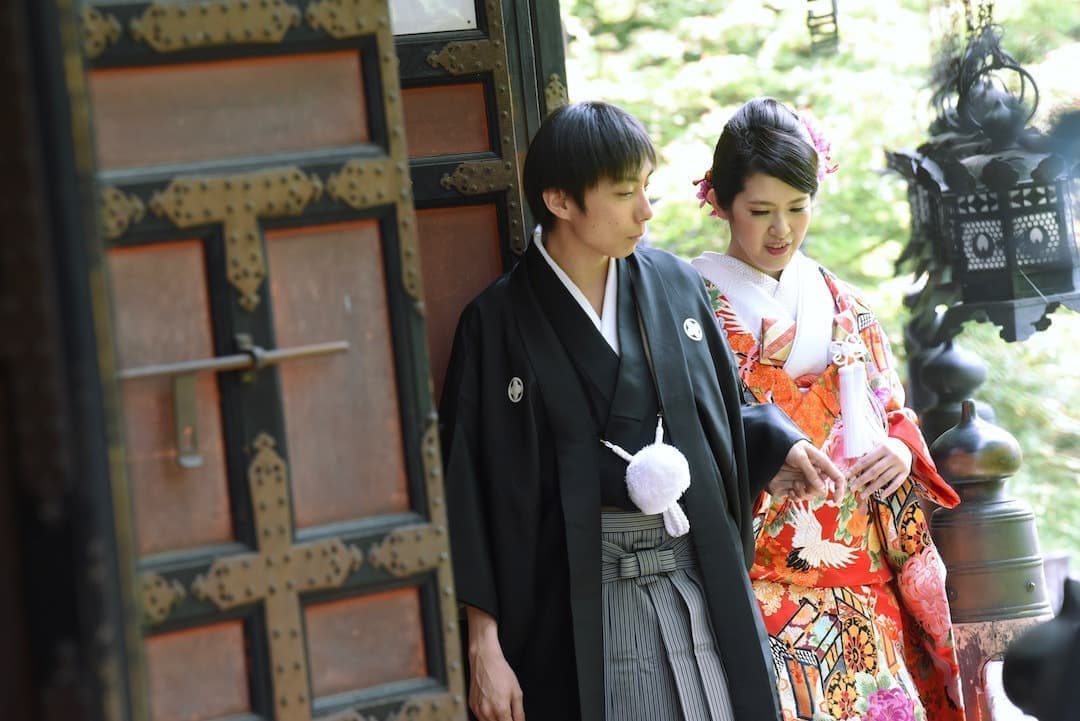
826, 164
704, 185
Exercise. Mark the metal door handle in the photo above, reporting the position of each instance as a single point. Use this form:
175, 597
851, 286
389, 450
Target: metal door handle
251, 359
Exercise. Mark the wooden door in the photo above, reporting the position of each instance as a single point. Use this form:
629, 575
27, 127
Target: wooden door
471, 101
283, 478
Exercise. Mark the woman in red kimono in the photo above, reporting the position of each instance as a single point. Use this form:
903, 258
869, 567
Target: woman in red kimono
852, 591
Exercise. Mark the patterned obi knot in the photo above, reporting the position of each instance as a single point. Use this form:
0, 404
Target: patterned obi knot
647, 563
643, 565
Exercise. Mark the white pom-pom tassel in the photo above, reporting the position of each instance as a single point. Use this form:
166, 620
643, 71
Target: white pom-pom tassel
656, 478
861, 432
675, 521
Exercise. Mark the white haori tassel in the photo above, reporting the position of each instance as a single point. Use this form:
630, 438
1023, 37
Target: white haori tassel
860, 431
656, 477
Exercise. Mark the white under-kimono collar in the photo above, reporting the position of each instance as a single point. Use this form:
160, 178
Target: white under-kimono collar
800, 295
608, 322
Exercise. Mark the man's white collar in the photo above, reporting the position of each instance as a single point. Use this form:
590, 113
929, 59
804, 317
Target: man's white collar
608, 322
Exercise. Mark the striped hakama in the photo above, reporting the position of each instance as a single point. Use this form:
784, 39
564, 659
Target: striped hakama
660, 656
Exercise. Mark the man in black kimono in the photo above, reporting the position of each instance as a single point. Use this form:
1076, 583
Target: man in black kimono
589, 338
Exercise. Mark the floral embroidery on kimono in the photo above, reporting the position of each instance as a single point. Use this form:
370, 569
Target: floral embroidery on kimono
854, 602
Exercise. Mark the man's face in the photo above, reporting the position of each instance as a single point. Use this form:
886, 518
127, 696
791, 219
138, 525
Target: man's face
615, 216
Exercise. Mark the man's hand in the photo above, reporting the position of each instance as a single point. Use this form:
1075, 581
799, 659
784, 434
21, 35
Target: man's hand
494, 691
807, 473
883, 469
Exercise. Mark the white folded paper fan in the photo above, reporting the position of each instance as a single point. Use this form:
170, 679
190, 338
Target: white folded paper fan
656, 477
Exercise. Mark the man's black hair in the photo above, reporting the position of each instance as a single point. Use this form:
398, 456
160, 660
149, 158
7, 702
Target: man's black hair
579, 145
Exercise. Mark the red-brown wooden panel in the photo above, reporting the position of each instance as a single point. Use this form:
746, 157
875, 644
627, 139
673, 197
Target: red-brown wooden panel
346, 455
198, 674
460, 256
366, 641
445, 119
209, 111
161, 315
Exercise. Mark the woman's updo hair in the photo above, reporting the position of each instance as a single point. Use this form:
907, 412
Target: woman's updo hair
764, 136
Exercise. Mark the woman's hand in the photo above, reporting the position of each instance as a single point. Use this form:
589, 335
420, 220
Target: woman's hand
883, 469
807, 473
494, 691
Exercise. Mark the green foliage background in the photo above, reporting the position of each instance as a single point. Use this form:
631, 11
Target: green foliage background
683, 66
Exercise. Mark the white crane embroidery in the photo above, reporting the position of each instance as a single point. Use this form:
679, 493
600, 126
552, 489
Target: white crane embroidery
809, 549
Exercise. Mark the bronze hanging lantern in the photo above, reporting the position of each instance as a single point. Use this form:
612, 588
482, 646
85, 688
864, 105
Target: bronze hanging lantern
993, 238
992, 202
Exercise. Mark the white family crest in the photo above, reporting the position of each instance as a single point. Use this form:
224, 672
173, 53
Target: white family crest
692, 329
516, 390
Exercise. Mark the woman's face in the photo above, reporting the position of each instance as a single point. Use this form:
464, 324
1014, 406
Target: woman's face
768, 219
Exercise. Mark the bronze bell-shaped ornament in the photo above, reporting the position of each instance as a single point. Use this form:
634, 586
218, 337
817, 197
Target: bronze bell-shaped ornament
989, 542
